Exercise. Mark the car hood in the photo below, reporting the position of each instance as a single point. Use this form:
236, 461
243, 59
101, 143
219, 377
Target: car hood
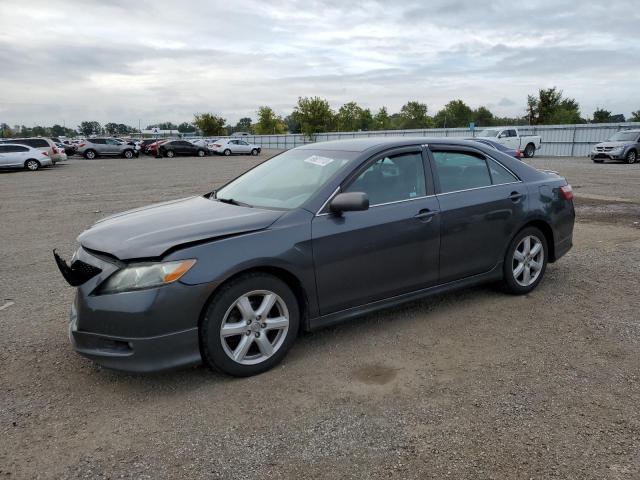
148, 232
613, 144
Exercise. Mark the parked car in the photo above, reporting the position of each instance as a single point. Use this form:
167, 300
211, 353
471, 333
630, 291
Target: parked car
315, 235
229, 146
181, 147
623, 145
498, 146
59, 153
144, 144
201, 142
68, 147
152, 148
510, 137
240, 134
41, 143
15, 155
97, 147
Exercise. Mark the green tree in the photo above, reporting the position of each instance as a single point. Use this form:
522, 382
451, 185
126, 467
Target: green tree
414, 115
186, 127
269, 122
315, 115
483, 117
244, 125
635, 116
111, 128
348, 117
382, 121
209, 124
39, 131
550, 107
601, 116
293, 123
455, 114
5, 130
89, 128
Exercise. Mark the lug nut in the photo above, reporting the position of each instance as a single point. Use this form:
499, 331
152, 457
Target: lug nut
263, 325
248, 322
248, 333
257, 334
258, 317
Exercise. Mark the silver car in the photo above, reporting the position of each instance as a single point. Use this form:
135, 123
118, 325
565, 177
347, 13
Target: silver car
623, 145
229, 146
15, 155
40, 143
96, 147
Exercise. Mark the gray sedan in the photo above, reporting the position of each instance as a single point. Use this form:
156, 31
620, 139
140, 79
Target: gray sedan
316, 235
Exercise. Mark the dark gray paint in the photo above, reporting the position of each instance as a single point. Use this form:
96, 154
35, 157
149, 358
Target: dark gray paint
340, 266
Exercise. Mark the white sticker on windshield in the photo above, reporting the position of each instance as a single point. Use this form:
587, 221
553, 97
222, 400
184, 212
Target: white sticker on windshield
318, 160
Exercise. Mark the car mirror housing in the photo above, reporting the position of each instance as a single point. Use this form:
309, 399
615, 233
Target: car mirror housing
349, 202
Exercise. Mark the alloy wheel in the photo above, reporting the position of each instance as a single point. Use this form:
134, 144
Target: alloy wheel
33, 165
254, 327
528, 260
631, 157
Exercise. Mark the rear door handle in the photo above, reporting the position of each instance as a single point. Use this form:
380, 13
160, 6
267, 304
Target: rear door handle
425, 215
515, 196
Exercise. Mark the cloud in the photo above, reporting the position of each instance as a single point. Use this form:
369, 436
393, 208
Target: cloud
151, 61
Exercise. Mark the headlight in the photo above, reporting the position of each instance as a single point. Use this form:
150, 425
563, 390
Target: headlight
145, 275
617, 150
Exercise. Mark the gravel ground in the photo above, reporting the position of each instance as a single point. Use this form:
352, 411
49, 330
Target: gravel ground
467, 385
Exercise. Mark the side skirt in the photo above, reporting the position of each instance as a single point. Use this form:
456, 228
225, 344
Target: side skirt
323, 321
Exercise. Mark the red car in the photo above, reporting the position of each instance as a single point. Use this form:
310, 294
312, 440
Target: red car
152, 149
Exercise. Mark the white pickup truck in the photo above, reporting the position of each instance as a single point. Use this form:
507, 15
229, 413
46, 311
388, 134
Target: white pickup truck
511, 138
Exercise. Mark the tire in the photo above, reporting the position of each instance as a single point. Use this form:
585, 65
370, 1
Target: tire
631, 157
517, 255
201, 153
169, 154
90, 154
251, 290
254, 152
529, 150
227, 152
128, 154
32, 165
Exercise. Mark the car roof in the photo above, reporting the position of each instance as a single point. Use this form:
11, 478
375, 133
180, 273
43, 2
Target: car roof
368, 143
10, 144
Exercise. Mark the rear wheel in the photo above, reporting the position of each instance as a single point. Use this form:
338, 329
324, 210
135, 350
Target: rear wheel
170, 154
32, 165
254, 152
250, 325
631, 157
201, 153
525, 261
127, 154
227, 152
90, 154
529, 150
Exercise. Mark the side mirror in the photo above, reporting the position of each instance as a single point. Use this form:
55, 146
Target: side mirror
349, 202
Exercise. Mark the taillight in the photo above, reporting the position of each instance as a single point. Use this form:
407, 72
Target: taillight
518, 154
46, 154
567, 192
81, 145
217, 145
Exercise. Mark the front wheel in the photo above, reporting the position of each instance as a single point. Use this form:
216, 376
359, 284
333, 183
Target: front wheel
170, 154
254, 152
529, 150
201, 153
250, 325
631, 157
227, 152
525, 261
128, 154
90, 154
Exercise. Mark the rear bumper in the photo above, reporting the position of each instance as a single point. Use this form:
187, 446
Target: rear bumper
148, 354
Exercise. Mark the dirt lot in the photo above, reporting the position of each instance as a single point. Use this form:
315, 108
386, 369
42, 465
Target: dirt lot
466, 385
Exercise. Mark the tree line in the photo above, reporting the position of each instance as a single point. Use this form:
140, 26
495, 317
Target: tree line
313, 115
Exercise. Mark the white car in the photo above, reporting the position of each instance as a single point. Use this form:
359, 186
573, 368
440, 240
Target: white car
229, 146
14, 155
510, 137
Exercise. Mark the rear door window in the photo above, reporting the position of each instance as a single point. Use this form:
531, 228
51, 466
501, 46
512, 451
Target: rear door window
499, 174
460, 171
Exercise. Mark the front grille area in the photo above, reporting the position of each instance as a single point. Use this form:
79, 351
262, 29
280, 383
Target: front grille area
79, 271
604, 149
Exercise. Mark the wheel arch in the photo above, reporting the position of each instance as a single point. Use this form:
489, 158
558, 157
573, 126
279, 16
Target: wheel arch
289, 278
546, 230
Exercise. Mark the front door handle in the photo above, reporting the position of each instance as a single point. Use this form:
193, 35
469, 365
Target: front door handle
515, 196
425, 215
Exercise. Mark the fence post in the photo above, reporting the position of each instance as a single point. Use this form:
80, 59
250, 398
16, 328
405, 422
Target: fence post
573, 140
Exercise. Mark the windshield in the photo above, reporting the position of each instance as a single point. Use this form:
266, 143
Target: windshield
624, 137
287, 180
488, 133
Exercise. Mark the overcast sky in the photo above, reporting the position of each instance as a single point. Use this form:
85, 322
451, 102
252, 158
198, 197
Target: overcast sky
151, 61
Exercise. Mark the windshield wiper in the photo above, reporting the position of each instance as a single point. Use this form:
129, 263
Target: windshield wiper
231, 201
